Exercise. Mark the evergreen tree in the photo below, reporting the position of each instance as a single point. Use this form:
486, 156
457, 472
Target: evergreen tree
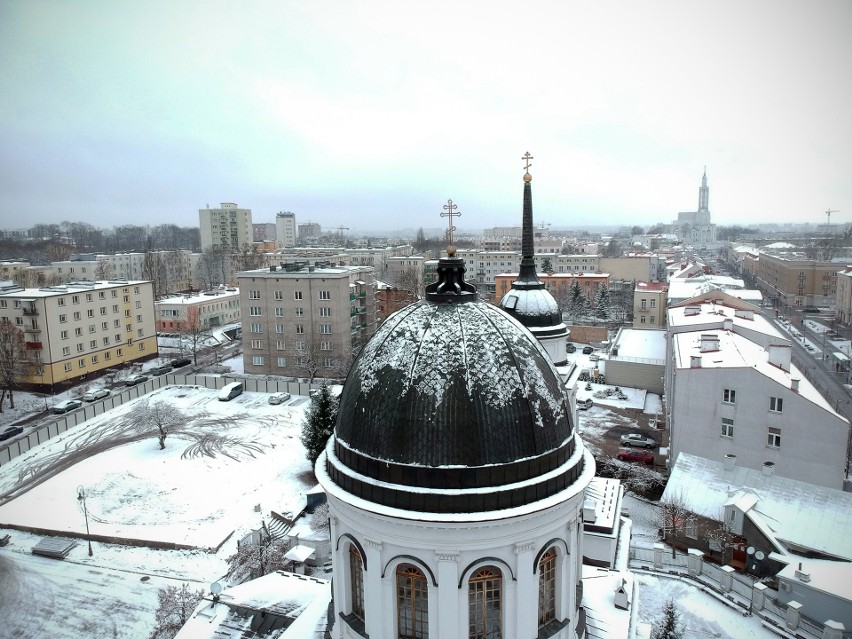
547, 265
669, 627
574, 306
319, 423
602, 302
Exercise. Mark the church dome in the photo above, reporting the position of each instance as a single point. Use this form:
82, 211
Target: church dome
533, 307
453, 406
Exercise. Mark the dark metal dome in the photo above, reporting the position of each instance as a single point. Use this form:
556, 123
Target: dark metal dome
452, 393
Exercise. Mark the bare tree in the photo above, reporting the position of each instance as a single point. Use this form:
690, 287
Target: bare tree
105, 270
259, 556
16, 360
674, 517
213, 268
175, 607
309, 357
409, 280
247, 258
160, 415
154, 269
193, 332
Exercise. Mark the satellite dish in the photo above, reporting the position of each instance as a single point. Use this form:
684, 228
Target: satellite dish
750, 550
759, 555
215, 587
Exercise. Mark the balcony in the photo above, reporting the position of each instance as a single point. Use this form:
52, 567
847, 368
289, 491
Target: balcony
34, 346
31, 311
31, 329
361, 310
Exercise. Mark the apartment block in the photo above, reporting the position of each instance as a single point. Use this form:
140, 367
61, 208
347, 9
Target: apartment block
226, 228
285, 229
75, 331
791, 279
558, 284
305, 321
219, 307
732, 390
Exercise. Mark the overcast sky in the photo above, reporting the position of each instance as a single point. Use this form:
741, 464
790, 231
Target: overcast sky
372, 114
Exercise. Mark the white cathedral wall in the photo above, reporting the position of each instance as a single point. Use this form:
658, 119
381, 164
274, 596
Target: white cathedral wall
448, 554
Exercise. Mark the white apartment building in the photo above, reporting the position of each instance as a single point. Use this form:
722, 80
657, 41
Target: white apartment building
75, 270
483, 267
378, 257
228, 227
305, 321
731, 389
219, 307
285, 229
76, 330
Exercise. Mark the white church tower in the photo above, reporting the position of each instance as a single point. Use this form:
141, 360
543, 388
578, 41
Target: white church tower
455, 479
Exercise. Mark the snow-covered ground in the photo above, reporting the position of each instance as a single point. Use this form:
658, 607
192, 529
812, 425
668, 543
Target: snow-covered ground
200, 491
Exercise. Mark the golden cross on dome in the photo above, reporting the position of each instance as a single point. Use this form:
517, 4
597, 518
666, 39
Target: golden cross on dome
527, 157
449, 211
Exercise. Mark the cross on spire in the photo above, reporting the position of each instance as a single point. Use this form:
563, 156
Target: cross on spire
527, 157
449, 211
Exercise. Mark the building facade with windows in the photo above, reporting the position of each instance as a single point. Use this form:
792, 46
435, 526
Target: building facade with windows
218, 307
227, 228
649, 304
455, 482
285, 229
791, 279
731, 389
75, 331
305, 321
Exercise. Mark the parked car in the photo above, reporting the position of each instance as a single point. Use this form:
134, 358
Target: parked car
278, 398
95, 393
810, 309
181, 361
570, 348
632, 455
229, 391
584, 404
159, 370
66, 405
587, 350
11, 432
136, 378
835, 336
638, 440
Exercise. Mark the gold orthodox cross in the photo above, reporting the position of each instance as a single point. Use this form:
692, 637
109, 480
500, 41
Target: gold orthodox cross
449, 209
527, 157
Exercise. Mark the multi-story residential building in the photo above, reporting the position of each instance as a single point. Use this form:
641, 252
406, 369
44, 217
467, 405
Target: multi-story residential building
228, 227
483, 267
378, 257
75, 270
264, 232
305, 321
558, 284
844, 296
642, 267
77, 330
285, 229
390, 299
309, 230
406, 272
649, 304
9, 268
731, 389
212, 308
791, 279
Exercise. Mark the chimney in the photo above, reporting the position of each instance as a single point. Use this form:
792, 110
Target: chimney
730, 461
728, 324
794, 384
709, 342
589, 511
695, 361
768, 468
744, 314
779, 355
801, 575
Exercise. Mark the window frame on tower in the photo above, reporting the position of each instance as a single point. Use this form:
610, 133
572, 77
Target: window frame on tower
547, 584
412, 602
484, 580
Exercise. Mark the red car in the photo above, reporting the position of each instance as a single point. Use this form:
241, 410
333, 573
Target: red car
634, 455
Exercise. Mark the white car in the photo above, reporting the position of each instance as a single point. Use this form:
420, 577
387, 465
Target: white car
96, 393
638, 440
584, 404
279, 398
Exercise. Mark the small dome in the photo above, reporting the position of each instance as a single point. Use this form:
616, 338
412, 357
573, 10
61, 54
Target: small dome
532, 307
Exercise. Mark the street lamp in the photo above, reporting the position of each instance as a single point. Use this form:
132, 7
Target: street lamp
81, 500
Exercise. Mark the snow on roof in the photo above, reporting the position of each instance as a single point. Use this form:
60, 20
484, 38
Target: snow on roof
603, 619
215, 295
779, 245
279, 593
652, 286
643, 343
533, 302
704, 313
737, 351
833, 577
299, 553
795, 512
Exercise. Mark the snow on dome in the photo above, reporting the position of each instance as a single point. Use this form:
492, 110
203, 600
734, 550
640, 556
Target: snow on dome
530, 303
453, 384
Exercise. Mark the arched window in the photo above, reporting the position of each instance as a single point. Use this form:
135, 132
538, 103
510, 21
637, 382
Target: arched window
356, 582
485, 604
412, 603
547, 588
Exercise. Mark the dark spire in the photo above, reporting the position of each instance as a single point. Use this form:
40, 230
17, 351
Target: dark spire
527, 277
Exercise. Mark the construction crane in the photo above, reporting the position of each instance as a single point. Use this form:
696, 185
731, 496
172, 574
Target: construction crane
828, 213
340, 230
